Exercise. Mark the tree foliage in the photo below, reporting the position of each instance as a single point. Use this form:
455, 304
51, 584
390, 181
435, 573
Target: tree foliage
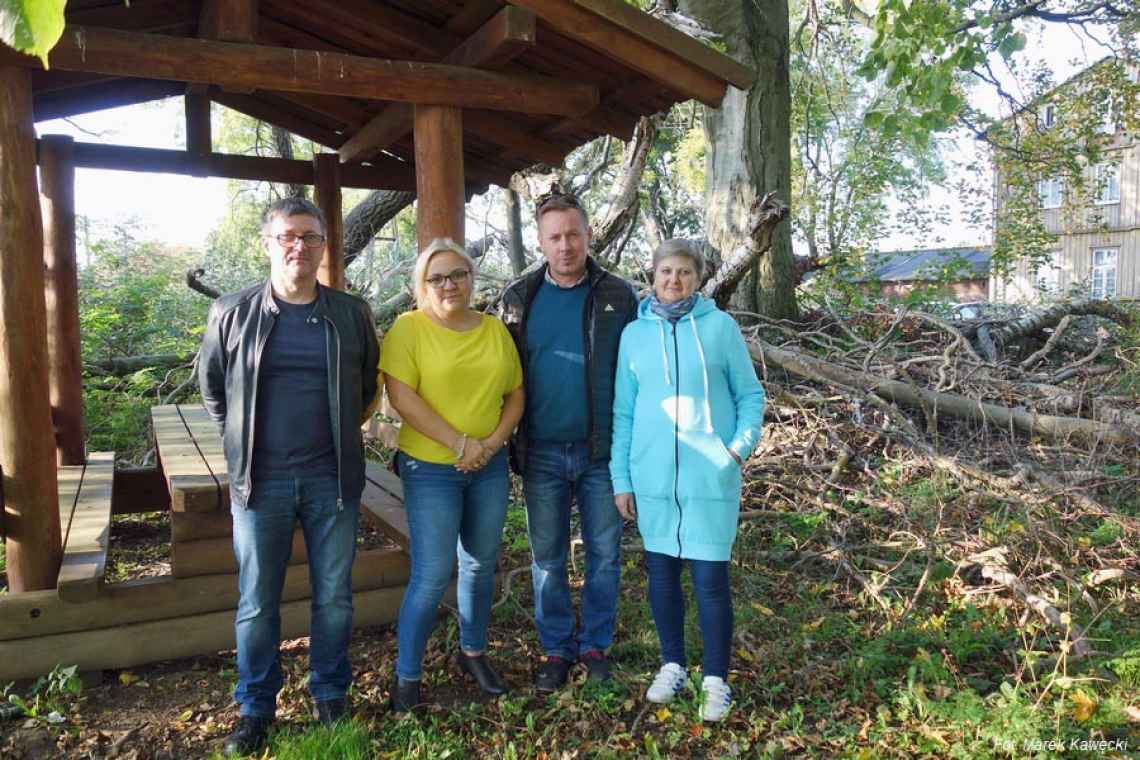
31, 26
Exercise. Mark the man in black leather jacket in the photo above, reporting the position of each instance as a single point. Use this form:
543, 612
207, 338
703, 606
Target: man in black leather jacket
287, 369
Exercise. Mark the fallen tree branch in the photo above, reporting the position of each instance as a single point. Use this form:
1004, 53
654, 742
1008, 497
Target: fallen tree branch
194, 282
949, 403
1040, 354
1078, 641
764, 216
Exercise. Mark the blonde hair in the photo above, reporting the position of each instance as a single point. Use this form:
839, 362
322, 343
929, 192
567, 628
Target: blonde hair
419, 276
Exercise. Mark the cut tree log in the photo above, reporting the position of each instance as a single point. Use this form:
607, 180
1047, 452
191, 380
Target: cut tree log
940, 403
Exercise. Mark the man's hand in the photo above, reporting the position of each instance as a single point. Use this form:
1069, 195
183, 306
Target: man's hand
626, 506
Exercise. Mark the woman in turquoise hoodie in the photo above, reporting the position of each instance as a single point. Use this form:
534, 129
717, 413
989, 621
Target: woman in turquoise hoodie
687, 413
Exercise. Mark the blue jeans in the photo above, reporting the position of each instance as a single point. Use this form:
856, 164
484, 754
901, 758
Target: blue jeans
555, 474
714, 608
263, 539
450, 514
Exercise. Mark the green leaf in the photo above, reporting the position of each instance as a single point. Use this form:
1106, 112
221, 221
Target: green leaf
31, 26
873, 119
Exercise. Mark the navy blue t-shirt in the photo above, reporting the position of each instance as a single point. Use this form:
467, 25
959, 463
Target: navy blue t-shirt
557, 403
293, 427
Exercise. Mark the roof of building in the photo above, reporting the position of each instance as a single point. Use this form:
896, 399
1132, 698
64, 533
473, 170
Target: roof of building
624, 63
963, 263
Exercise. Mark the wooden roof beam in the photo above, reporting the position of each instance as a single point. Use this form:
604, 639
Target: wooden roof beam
57, 104
507, 34
235, 65
383, 173
258, 109
228, 20
616, 40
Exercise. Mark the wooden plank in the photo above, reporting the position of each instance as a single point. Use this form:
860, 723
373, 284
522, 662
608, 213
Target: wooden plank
383, 505
503, 37
111, 93
326, 168
41, 613
235, 65
194, 526
27, 445
141, 489
89, 533
518, 142
229, 20
439, 174
257, 108
384, 173
602, 35
69, 478
61, 280
661, 34
204, 431
192, 485
215, 556
364, 26
199, 138
173, 638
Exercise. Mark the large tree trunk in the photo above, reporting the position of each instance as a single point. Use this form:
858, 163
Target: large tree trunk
515, 249
749, 152
369, 216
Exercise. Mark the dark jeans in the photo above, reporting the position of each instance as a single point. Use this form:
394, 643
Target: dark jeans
714, 608
450, 513
263, 541
556, 472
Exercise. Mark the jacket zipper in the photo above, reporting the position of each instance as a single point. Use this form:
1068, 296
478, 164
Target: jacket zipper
336, 413
588, 350
677, 438
253, 410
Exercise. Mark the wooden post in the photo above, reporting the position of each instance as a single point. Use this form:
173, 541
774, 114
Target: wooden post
326, 170
199, 140
27, 446
439, 174
57, 199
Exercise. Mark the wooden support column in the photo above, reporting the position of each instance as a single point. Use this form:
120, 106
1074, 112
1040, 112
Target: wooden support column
326, 170
27, 446
57, 200
439, 174
199, 138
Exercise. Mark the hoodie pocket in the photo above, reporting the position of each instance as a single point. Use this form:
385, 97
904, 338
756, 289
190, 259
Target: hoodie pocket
708, 470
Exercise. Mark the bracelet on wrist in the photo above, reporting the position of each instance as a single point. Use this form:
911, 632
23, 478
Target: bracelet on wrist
459, 449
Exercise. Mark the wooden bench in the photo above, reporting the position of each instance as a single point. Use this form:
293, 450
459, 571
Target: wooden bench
193, 463
85, 519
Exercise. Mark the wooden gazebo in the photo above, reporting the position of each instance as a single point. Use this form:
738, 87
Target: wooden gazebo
443, 97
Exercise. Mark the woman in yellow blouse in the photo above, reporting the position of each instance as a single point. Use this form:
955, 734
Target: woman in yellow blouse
454, 376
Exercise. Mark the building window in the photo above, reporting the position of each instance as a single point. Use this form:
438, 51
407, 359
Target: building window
1046, 279
1107, 183
1049, 192
1107, 125
1049, 116
1104, 272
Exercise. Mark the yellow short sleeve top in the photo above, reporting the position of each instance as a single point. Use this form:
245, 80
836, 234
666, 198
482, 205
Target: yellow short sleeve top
463, 376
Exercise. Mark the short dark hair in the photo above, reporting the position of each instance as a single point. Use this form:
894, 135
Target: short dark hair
556, 200
680, 247
291, 207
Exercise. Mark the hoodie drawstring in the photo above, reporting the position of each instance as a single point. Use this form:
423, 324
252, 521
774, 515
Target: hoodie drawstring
704, 372
664, 352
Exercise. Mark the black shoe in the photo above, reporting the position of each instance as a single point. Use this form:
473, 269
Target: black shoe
331, 710
480, 669
597, 666
552, 673
405, 695
248, 736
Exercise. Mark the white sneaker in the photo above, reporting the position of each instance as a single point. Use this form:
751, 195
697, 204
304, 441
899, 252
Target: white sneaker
716, 698
666, 683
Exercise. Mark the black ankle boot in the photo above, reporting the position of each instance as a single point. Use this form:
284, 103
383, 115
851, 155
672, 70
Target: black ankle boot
248, 736
405, 695
480, 669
